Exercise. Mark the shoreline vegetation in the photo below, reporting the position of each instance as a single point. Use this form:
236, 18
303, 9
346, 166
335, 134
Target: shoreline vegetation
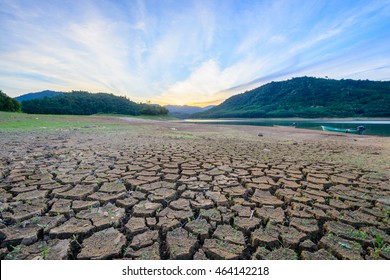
299, 119
19, 119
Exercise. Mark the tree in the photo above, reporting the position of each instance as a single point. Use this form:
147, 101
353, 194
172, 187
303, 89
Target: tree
8, 104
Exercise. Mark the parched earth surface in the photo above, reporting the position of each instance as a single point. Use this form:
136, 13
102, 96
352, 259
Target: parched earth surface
182, 191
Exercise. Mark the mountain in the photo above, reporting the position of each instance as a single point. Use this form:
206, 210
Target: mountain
183, 112
8, 104
36, 95
85, 103
307, 97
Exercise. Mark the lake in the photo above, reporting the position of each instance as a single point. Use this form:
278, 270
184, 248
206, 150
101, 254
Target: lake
373, 127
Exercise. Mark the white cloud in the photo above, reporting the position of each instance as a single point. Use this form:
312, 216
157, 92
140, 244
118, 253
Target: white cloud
185, 53
91, 54
208, 82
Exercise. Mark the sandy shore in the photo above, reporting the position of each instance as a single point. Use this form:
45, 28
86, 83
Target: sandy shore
169, 190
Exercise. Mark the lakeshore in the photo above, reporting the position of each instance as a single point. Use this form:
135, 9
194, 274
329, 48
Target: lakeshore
149, 189
375, 127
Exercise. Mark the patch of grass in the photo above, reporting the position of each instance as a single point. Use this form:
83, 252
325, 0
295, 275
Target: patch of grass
183, 136
378, 174
17, 122
44, 252
283, 254
125, 250
27, 122
358, 234
378, 166
236, 234
148, 255
380, 246
43, 226
34, 220
14, 254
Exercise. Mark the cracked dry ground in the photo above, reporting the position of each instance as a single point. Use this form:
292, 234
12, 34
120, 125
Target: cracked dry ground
88, 196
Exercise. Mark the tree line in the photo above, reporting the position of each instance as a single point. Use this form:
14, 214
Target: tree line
85, 103
307, 97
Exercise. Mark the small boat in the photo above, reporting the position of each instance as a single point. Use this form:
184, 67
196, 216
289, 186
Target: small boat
358, 130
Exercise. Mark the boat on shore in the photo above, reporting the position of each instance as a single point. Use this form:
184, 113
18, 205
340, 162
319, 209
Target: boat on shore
358, 130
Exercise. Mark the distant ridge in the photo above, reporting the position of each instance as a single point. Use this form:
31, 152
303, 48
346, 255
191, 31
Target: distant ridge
184, 111
85, 103
307, 97
37, 95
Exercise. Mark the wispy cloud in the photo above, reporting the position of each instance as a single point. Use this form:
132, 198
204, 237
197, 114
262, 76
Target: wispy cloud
80, 54
186, 52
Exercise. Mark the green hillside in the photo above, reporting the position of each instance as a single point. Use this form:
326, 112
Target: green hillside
85, 103
36, 95
8, 104
307, 97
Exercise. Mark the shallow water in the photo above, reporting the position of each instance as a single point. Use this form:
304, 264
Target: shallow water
373, 127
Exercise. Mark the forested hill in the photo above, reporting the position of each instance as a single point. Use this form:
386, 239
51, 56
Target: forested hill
85, 103
307, 97
36, 95
8, 104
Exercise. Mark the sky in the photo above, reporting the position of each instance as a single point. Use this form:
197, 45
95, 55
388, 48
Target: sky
184, 52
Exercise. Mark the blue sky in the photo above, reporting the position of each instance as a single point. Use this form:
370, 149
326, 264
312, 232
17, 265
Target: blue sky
187, 52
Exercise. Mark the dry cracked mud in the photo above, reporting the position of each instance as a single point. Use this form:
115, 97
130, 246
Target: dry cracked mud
195, 195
